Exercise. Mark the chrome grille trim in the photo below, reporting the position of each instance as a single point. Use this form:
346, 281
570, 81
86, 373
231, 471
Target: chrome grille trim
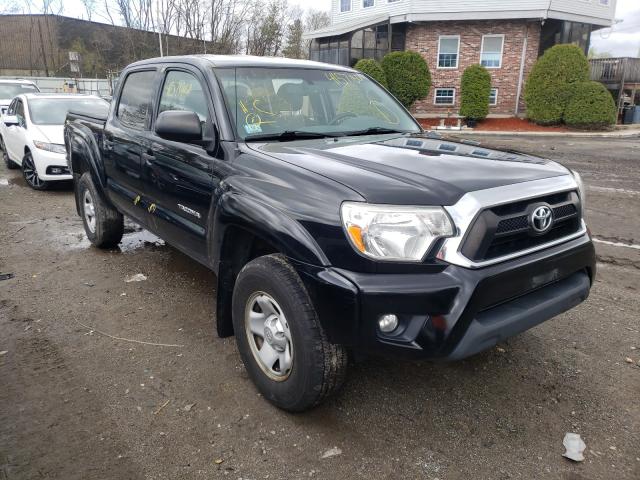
465, 211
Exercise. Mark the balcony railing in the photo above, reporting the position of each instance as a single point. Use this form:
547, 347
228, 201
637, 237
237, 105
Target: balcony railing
615, 70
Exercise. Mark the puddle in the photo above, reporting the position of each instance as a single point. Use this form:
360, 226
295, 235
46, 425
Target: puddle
4, 181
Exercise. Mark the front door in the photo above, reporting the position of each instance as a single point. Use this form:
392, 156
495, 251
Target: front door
16, 140
179, 177
126, 136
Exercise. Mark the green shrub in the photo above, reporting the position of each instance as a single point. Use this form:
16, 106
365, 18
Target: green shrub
407, 75
590, 106
475, 90
548, 87
373, 69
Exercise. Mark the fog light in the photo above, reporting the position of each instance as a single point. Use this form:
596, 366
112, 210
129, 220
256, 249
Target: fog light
388, 322
56, 171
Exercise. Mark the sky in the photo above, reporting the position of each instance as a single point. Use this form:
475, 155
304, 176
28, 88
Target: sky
623, 39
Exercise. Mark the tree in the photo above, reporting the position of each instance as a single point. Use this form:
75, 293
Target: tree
266, 28
295, 46
475, 91
408, 76
373, 69
547, 88
593, 53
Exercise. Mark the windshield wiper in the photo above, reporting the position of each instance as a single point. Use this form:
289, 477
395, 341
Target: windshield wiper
287, 135
372, 131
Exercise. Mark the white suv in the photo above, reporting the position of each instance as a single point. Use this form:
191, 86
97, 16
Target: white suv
9, 89
32, 136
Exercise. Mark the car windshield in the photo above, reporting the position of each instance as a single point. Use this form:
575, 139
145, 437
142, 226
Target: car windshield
10, 90
289, 103
53, 111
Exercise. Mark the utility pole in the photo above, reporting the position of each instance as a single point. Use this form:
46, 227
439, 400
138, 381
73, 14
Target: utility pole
160, 42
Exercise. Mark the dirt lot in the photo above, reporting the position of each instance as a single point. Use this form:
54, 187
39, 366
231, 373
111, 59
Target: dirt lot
76, 403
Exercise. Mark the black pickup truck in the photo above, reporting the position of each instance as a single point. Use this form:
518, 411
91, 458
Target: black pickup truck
334, 223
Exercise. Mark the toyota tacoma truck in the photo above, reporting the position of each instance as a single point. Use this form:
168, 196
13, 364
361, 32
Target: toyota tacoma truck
334, 223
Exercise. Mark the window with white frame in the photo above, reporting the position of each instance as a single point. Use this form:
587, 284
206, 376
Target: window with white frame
448, 50
604, 3
345, 5
491, 54
493, 97
445, 96
368, 3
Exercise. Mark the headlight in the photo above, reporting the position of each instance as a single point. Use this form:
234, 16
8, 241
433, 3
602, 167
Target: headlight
581, 191
386, 232
50, 147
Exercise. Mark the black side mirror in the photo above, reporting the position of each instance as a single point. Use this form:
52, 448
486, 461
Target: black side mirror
179, 126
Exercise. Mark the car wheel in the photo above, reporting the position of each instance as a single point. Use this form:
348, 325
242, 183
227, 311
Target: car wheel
280, 339
11, 165
103, 224
30, 173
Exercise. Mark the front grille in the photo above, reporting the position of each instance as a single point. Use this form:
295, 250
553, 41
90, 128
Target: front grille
505, 229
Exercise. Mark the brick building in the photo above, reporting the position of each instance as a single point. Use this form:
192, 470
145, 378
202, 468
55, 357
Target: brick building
506, 36
39, 45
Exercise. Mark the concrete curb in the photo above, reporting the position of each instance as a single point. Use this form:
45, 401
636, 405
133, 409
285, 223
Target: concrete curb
617, 134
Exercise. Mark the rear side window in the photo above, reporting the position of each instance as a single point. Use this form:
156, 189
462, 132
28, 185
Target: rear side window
136, 99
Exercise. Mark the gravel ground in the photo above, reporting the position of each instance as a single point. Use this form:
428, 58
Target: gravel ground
82, 398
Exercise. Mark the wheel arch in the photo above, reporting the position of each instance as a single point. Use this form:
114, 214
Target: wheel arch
245, 229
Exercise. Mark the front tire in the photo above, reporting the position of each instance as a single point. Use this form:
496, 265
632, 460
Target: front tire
30, 173
11, 165
280, 339
103, 224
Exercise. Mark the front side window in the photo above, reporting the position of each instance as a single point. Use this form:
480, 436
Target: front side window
53, 111
183, 91
136, 99
270, 101
20, 110
493, 97
345, 5
491, 56
368, 3
448, 50
445, 96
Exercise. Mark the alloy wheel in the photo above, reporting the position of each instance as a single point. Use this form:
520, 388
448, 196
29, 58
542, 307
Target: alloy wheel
30, 172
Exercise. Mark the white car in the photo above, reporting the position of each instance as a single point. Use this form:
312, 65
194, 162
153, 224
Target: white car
9, 89
32, 134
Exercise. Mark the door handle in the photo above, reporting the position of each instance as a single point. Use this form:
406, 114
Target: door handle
148, 158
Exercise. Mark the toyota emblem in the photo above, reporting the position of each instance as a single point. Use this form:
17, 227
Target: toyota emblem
541, 219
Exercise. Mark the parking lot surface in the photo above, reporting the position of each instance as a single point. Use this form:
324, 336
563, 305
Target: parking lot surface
104, 379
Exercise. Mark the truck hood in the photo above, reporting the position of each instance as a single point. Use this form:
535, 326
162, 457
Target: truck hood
49, 133
412, 170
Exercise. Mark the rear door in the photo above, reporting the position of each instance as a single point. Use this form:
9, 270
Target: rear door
126, 136
179, 177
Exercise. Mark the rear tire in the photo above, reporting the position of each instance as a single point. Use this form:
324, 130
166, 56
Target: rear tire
103, 224
269, 293
11, 165
30, 173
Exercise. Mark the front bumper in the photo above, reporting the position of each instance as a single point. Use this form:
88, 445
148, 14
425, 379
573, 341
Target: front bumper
454, 313
45, 161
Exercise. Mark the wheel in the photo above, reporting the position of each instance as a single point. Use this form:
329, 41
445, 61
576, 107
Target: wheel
280, 339
11, 165
30, 173
103, 224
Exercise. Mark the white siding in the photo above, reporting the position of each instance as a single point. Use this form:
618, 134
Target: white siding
503, 9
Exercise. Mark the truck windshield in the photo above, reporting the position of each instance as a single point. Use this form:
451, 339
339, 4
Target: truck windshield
53, 111
10, 90
290, 103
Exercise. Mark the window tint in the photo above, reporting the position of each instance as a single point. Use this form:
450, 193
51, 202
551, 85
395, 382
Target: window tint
183, 91
136, 99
